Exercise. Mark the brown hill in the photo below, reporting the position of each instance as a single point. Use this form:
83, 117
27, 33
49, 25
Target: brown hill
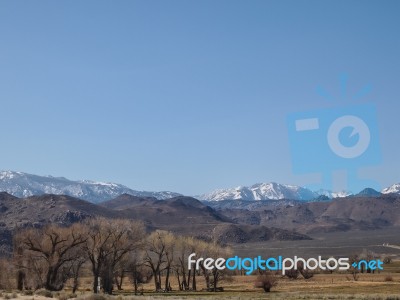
170, 213
127, 201
344, 214
40, 210
182, 215
37, 211
239, 234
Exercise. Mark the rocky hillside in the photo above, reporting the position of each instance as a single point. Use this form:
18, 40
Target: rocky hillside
343, 214
182, 215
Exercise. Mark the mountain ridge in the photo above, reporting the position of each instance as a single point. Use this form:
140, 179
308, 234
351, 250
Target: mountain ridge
23, 185
276, 191
270, 191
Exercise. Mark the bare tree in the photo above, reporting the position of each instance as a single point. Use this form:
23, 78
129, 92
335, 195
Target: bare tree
353, 270
75, 271
266, 282
215, 251
108, 243
307, 274
169, 240
139, 272
52, 250
120, 272
159, 255
184, 247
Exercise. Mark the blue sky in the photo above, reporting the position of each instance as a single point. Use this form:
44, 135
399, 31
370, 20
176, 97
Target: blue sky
187, 96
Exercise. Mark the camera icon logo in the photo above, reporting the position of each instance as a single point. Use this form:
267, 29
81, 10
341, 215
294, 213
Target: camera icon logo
325, 140
359, 127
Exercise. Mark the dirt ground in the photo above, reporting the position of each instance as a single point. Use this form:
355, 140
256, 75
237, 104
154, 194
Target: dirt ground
385, 285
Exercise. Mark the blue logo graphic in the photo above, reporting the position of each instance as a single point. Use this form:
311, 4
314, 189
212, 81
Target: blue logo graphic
342, 138
368, 265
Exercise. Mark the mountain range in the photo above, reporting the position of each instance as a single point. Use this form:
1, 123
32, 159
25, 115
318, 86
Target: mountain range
276, 191
255, 221
21, 184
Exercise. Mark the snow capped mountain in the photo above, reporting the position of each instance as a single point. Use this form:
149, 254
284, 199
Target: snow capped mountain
270, 191
276, 191
24, 185
394, 189
261, 191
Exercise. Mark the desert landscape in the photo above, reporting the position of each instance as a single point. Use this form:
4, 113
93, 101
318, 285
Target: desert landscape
174, 149
156, 237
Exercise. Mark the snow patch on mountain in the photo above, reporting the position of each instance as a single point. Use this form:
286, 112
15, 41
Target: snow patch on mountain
332, 195
394, 189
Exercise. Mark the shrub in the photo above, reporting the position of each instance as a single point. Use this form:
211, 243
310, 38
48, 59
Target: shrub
266, 282
388, 278
28, 293
44, 293
9, 296
307, 274
387, 260
292, 273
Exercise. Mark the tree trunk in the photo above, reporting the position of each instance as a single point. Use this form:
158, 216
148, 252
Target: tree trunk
215, 280
119, 280
159, 281
107, 280
75, 285
188, 280
135, 285
266, 288
20, 280
194, 287
179, 281
76, 276
167, 280
206, 276
95, 281
135, 280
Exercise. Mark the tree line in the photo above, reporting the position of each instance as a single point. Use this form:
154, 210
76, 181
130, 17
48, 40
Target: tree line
112, 250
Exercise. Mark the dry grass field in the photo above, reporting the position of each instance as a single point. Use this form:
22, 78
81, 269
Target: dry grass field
322, 286
328, 244
385, 285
